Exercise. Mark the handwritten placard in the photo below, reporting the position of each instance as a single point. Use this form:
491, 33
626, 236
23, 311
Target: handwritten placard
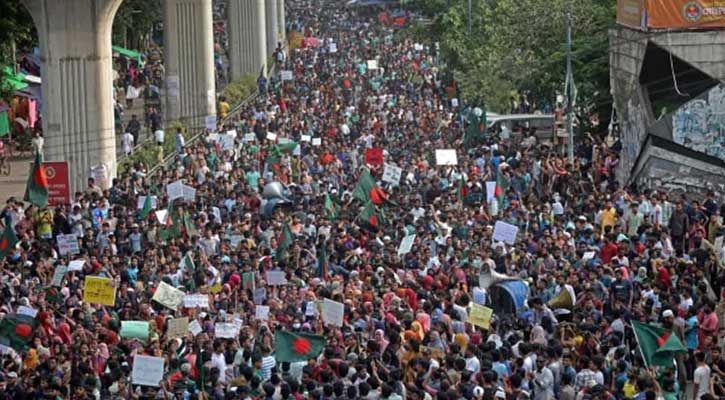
177, 327
147, 370
168, 296
406, 245
135, 329
195, 327
225, 330
505, 232
276, 277
332, 312
392, 174
261, 312
68, 244
286, 75
58, 275
480, 316
196, 300
446, 157
98, 290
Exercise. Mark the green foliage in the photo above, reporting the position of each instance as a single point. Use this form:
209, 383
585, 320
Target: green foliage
240, 90
134, 20
16, 25
150, 153
520, 45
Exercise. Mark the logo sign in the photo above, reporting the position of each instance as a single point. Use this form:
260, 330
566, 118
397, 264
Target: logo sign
58, 182
692, 11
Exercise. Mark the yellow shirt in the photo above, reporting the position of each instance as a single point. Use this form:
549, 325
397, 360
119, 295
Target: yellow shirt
224, 109
609, 217
43, 222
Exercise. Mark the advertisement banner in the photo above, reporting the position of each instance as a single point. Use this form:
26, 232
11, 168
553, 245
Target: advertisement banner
631, 13
58, 182
685, 14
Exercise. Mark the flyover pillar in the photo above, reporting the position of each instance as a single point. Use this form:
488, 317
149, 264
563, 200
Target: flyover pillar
189, 59
77, 85
272, 26
281, 20
247, 37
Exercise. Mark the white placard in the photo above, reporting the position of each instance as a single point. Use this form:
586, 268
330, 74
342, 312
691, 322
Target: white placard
175, 190
76, 265
333, 47
276, 277
589, 255
196, 300
311, 308
286, 75
249, 137
718, 244
68, 244
58, 275
261, 312
317, 141
406, 244
446, 157
147, 371
225, 330
305, 138
161, 216
210, 122
177, 327
271, 136
226, 142
332, 312
29, 311
372, 64
142, 200
503, 232
188, 193
232, 133
258, 295
490, 191
392, 174
195, 327
168, 296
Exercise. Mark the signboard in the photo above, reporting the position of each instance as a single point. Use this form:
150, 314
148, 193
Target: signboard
196, 300
332, 312
671, 14
58, 182
147, 370
392, 174
68, 244
168, 296
631, 13
99, 173
480, 316
406, 244
503, 232
99, 290
446, 157
286, 75
177, 327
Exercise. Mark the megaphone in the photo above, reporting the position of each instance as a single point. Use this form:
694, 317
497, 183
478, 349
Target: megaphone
562, 300
490, 278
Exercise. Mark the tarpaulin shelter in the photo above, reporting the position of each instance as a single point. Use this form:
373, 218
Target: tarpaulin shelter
509, 297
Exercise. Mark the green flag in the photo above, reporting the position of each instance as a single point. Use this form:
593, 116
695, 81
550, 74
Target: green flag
330, 207
189, 227
8, 240
188, 263
285, 241
370, 216
36, 190
17, 330
657, 345
146, 207
502, 186
365, 185
295, 347
476, 126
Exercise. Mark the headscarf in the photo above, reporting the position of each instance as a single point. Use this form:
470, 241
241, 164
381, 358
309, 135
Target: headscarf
380, 339
64, 333
31, 359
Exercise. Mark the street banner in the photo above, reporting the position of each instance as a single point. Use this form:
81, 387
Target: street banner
58, 182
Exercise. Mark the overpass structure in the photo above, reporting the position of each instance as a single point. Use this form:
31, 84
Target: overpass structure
76, 66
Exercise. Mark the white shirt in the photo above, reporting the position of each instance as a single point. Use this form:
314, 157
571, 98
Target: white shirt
159, 136
218, 361
127, 142
702, 378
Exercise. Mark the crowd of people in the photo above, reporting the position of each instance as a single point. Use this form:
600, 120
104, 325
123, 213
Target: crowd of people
620, 255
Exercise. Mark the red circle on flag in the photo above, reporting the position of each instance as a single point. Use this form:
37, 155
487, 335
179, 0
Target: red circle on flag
301, 346
3, 244
23, 330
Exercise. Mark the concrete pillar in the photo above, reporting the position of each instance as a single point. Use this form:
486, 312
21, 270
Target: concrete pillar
189, 61
272, 26
282, 23
247, 37
76, 66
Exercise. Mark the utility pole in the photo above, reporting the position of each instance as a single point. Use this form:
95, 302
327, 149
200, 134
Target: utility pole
569, 93
470, 15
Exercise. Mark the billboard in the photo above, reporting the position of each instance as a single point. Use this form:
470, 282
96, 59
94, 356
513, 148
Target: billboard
58, 182
671, 14
685, 14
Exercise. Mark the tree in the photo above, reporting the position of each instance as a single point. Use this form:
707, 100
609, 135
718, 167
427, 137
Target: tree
134, 20
519, 45
17, 30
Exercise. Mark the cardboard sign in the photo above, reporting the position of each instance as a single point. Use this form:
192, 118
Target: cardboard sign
177, 327
271, 136
195, 327
276, 278
305, 138
99, 290
99, 173
258, 295
225, 330
261, 312
372, 64
135, 329
175, 190
392, 174
196, 300
161, 216
58, 275
332, 312
76, 265
286, 75
58, 182
503, 232
168, 296
147, 370
446, 157
249, 137
490, 191
188, 193
406, 245
333, 47
210, 122
317, 141
68, 244
480, 316
142, 200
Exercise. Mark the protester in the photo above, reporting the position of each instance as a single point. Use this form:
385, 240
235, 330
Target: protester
289, 260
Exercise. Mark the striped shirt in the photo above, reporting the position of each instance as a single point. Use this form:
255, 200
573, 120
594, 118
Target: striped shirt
268, 362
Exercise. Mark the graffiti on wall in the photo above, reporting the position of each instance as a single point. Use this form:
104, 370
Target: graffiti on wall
700, 123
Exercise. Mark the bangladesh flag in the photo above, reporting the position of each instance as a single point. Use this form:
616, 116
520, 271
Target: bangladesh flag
462, 189
172, 230
189, 227
476, 126
365, 185
657, 345
17, 330
330, 207
502, 186
285, 241
187, 263
36, 190
275, 153
8, 240
370, 215
296, 347
147, 203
